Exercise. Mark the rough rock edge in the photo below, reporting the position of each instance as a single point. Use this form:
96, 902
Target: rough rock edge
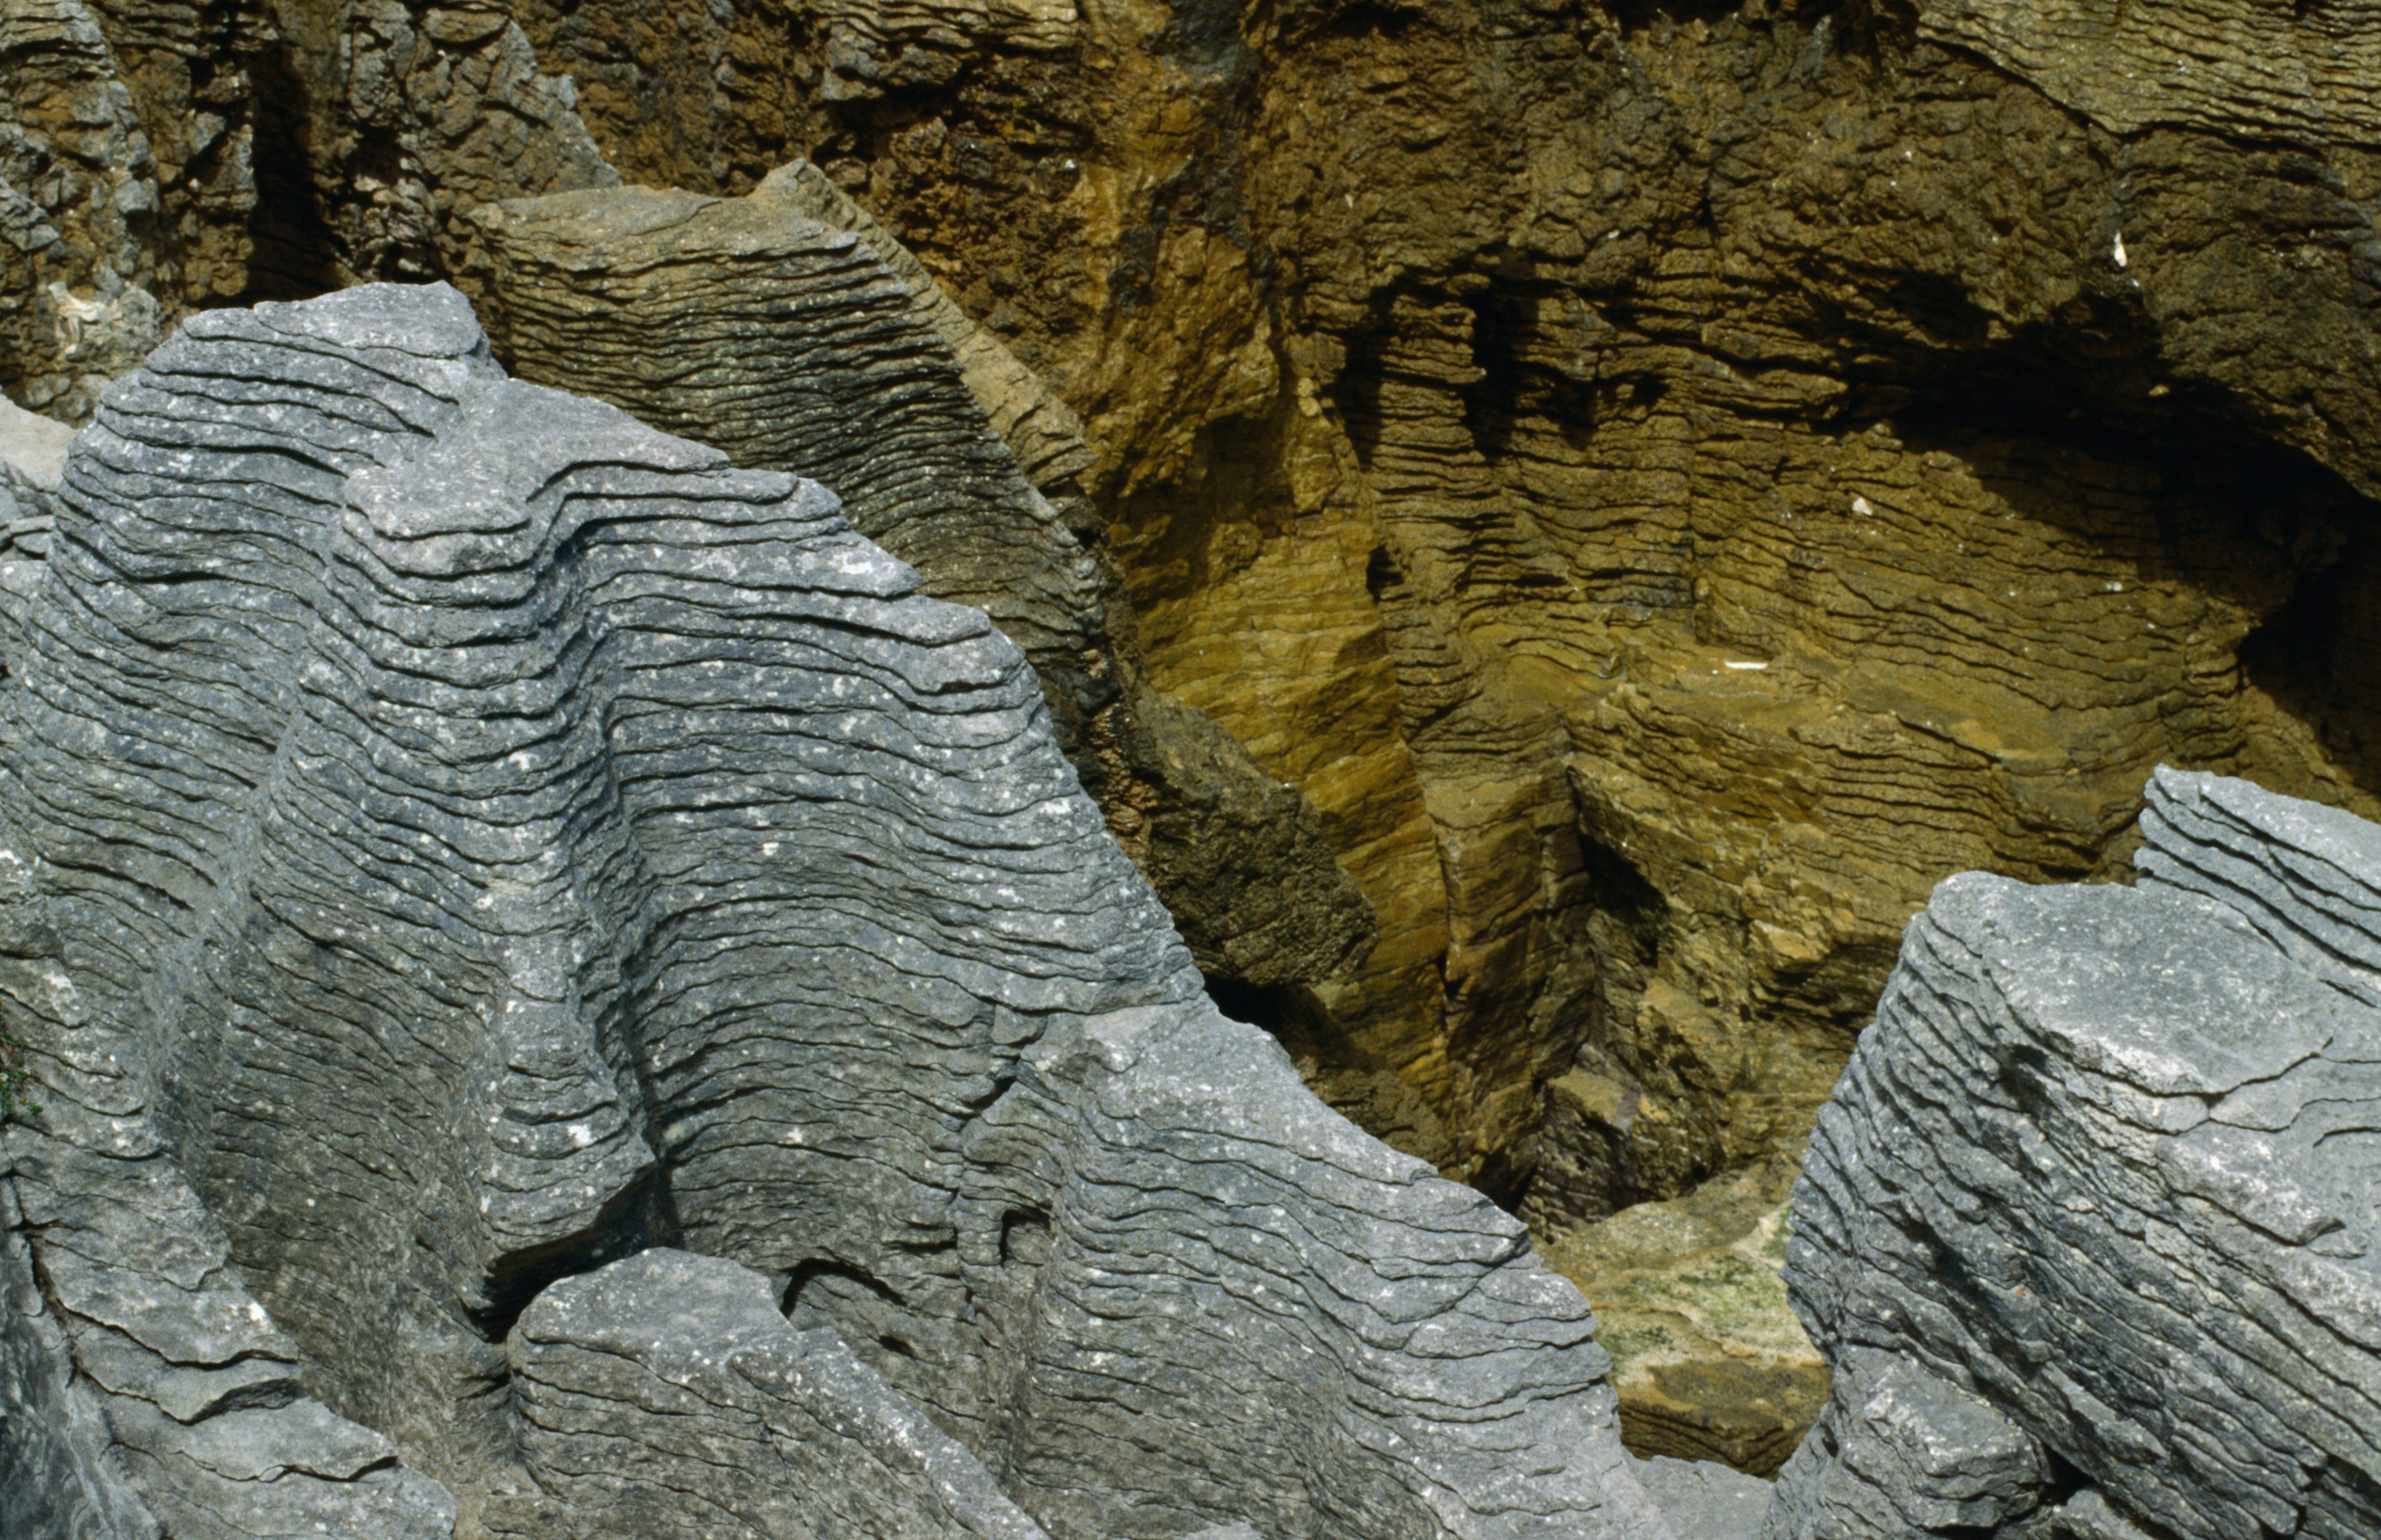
1038, 426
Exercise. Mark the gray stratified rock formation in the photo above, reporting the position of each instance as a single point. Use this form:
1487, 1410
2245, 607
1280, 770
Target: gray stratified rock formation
770, 1430
1703, 1498
453, 838
2092, 1230
803, 338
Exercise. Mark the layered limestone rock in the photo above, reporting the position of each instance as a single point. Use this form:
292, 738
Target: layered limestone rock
32, 462
804, 340
776, 1431
1665, 488
562, 987
1662, 487
2088, 1230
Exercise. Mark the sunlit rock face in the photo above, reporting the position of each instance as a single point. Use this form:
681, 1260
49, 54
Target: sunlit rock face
2089, 1228
548, 962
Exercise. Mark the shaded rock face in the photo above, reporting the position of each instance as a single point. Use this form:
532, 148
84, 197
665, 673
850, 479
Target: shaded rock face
2088, 1230
1659, 487
569, 999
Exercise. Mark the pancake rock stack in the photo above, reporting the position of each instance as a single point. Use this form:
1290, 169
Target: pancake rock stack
804, 338
568, 997
2092, 1229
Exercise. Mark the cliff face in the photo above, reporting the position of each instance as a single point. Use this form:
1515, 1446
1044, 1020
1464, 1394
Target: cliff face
2087, 1233
1664, 484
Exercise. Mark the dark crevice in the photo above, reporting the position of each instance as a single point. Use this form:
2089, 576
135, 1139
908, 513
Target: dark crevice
1289, 1013
294, 253
1356, 392
1024, 1237
819, 1278
2314, 657
2080, 428
1364, 21
637, 1220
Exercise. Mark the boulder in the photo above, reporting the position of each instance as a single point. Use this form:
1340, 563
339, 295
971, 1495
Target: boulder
665, 1395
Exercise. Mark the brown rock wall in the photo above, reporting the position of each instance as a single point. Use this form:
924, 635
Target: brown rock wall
1663, 483
1766, 485
78, 195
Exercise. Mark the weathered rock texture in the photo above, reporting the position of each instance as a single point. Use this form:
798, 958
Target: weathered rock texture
772, 1430
156, 158
2089, 1229
803, 340
1663, 483
1709, 1362
1473, 386
459, 839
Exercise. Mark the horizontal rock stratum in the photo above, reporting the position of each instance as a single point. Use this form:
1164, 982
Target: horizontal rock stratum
569, 998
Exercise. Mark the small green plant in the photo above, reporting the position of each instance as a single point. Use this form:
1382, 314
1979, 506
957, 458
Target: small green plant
15, 1075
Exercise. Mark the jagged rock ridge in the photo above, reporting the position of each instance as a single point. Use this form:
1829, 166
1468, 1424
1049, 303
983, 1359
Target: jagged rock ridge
488, 884
2089, 1230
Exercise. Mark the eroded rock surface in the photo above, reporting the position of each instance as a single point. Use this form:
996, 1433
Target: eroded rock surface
1666, 486
460, 840
2089, 1229
805, 340
665, 1395
157, 158
1660, 489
